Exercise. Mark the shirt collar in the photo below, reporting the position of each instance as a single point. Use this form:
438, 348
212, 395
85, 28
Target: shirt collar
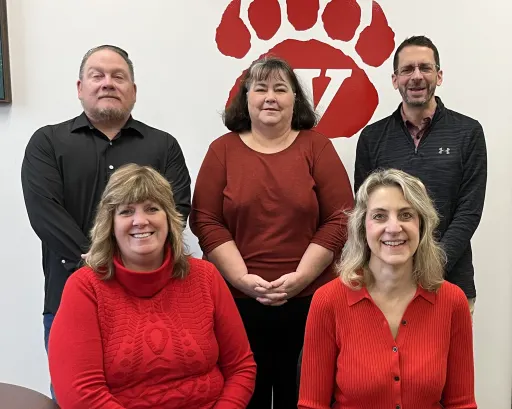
425, 120
83, 122
354, 296
148, 283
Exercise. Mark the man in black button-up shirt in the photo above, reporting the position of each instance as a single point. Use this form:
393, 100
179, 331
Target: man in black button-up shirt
66, 166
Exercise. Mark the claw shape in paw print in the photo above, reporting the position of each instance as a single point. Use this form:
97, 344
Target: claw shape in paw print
326, 44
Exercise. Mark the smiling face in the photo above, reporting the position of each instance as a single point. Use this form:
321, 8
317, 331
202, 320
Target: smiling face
106, 90
417, 75
141, 231
392, 228
270, 102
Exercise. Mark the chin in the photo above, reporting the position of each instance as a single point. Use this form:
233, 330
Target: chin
396, 260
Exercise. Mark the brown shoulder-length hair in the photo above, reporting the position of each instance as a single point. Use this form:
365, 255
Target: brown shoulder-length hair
429, 259
134, 184
236, 116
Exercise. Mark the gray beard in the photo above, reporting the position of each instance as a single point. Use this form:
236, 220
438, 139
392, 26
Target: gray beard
109, 115
418, 103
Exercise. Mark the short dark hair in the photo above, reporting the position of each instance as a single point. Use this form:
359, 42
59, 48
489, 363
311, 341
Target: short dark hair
420, 41
236, 116
113, 48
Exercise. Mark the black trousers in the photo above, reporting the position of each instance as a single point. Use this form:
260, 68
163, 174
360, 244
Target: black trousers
276, 335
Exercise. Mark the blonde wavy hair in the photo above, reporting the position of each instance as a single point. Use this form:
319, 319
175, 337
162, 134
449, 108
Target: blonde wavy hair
134, 184
429, 259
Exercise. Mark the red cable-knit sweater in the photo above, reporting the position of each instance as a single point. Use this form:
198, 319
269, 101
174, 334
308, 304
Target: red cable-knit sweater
146, 340
350, 353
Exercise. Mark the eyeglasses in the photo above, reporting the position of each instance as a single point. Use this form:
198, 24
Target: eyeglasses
408, 70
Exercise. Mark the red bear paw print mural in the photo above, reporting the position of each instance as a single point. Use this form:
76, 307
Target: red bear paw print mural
328, 46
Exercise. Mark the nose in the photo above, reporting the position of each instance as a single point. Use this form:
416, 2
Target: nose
271, 96
140, 218
393, 226
108, 83
417, 73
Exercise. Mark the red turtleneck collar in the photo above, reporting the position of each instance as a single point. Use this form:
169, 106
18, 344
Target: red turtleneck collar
144, 284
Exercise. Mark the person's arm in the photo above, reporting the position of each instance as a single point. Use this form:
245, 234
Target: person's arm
75, 351
334, 195
318, 367
236, 360
176, 172
459, 388
470, 204
363, 166
207, 223
43, 192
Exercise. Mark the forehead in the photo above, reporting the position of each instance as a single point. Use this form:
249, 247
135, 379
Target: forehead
137, 203
387, 197
269, 76
414, 54
106, 59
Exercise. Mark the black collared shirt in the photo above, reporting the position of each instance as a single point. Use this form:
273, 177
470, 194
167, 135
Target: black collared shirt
65, 170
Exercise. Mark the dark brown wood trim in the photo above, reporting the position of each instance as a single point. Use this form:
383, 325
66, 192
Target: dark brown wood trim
5, 54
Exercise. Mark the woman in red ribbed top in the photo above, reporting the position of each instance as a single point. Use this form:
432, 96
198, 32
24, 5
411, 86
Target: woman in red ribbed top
391, 334
268, 211
144, 325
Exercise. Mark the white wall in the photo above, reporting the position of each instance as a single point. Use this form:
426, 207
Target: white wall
183, 82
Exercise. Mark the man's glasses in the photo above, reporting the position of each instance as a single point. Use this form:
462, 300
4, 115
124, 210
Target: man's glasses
408, 70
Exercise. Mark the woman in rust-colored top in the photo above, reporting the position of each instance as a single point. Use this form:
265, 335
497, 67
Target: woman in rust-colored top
268, 211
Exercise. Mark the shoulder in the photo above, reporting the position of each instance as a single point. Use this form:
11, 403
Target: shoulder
457, 121
378, 126
51, 132
83, 279
451, 294
147, 130
202, 270
313, 144
224, 141
225, 145
329, 294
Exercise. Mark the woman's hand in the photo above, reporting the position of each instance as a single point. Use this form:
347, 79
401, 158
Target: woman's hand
256, 287
290, 284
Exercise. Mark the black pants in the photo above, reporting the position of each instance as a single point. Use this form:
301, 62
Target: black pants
276, 335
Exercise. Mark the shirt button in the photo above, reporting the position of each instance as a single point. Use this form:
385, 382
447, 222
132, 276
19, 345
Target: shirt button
110, 167
397, 378
404, 322
395, 349
110, 143
397, 407
63, 261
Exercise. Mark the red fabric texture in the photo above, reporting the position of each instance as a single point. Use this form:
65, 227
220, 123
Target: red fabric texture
147, 340
272, 205
350, 353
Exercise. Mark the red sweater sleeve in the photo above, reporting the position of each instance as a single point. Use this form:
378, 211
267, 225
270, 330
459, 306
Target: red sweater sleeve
236, 360
459, 390
75, 350
334, 195
206, 218
318, 368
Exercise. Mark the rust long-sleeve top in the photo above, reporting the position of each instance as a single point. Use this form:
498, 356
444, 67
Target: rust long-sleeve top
272, 205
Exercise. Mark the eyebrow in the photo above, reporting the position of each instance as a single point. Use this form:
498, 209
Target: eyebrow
403, 209
280, 83
117, 70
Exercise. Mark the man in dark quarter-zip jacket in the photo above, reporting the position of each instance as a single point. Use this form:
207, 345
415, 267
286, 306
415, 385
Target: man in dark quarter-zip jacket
443, 148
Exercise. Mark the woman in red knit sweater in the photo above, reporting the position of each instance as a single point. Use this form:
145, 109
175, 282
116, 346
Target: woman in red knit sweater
144, 325
268, 212
391, 333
